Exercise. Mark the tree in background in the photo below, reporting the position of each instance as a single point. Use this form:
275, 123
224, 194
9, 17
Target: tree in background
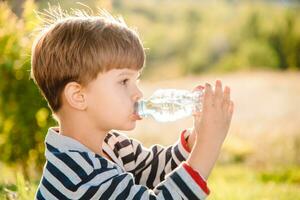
24, 116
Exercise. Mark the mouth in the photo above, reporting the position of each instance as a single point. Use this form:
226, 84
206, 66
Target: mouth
135, 116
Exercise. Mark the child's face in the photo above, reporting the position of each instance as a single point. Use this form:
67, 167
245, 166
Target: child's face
111, 98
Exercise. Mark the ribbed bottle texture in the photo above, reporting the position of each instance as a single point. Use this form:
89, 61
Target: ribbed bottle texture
170, 104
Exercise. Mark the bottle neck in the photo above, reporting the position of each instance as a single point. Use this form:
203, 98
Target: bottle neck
141, 109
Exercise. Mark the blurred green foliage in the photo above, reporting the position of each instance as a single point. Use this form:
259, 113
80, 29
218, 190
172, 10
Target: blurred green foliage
24, 116
181, 38
285, 175
197, 37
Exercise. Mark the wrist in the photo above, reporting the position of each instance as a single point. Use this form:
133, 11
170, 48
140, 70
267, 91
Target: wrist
191, 138
203, 157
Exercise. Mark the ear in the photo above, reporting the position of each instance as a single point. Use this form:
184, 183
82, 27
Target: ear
75, 96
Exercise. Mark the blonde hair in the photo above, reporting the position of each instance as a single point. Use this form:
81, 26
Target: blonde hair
77, 47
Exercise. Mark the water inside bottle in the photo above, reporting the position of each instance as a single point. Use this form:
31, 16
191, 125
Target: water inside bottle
170, 106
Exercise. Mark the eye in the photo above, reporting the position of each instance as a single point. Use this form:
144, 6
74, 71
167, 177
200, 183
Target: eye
124, 81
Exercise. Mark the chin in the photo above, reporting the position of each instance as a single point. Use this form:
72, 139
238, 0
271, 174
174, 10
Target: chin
128, 127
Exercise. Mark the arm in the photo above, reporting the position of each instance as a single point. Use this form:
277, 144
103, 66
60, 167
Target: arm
179, 184
148, 165
72, 178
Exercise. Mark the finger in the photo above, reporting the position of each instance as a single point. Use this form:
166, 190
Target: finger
229, 112
196, 120
196, 112
226, 98
226, 94
208, 95
200, 91
199, 87
218, 89
197, 117
231, 108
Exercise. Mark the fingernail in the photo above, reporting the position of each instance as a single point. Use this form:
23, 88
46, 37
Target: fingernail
199, 87
227, 89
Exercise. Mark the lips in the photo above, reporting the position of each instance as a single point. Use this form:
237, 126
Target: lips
135, 117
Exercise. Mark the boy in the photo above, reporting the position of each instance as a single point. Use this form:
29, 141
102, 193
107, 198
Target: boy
87, 68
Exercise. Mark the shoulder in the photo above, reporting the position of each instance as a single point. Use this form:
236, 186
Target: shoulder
76, 164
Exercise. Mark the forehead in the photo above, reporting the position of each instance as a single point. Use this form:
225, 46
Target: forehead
118, 73
124, 72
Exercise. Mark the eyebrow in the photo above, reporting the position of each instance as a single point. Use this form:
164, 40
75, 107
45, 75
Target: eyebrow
129, 73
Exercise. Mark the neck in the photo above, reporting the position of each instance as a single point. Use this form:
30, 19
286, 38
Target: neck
83, 131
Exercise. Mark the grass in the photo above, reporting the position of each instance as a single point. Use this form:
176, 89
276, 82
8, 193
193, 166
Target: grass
237, 182
19, 188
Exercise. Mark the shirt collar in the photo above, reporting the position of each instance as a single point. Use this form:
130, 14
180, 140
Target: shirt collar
63, 143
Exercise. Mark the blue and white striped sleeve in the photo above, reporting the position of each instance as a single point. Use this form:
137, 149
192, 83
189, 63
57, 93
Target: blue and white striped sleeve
149, 165
75, 175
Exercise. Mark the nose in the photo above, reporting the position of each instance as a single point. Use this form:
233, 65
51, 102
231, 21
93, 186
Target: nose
137, 94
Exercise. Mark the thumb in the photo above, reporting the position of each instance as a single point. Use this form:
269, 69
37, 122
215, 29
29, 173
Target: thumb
196, 112
199, 87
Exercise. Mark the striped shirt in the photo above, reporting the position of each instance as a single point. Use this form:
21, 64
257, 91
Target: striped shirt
72, 171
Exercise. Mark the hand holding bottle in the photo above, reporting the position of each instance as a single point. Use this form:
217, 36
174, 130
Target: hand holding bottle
211, 127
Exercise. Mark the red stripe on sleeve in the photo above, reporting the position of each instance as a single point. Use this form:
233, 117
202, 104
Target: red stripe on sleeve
184, 142
196, 176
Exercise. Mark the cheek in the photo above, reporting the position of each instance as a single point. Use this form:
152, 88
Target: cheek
122, 97
114, 101
115, 105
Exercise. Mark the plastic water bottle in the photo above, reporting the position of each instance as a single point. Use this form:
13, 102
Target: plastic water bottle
170, 104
